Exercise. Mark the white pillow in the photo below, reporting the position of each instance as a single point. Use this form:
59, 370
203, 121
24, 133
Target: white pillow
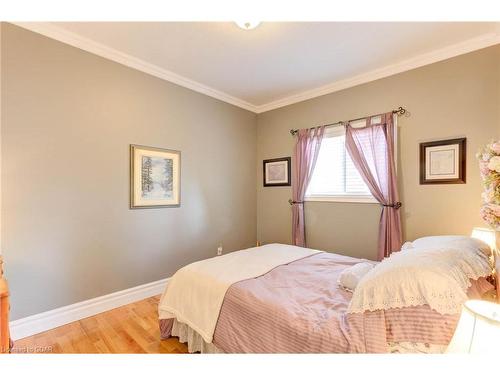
457, 241
438, 276
350, 277
407, 246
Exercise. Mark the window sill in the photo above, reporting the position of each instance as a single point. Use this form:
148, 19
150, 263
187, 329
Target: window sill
341, 199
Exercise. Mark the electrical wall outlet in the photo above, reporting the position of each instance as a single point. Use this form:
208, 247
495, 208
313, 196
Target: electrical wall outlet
219, 250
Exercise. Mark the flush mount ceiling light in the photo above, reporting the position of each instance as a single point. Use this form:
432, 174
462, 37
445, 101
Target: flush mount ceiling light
248, 25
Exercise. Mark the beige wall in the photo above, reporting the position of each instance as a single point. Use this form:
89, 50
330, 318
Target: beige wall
68, 118
455, 98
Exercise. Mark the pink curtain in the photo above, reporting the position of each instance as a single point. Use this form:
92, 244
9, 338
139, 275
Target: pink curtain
305, 155
372, 151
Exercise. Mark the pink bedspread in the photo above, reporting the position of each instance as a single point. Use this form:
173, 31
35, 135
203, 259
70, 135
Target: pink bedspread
299, 308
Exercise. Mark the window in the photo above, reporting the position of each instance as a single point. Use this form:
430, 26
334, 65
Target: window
335, 178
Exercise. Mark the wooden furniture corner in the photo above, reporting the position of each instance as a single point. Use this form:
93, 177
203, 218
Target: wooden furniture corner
5, 342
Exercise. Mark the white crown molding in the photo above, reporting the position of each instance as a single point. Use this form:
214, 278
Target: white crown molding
55, 32
75, 40
34, 324
483, 41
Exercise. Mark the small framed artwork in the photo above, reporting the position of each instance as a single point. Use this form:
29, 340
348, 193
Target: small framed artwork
443, 162
154, 177
277, 171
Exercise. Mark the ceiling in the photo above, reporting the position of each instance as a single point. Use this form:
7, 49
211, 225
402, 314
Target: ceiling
277, 63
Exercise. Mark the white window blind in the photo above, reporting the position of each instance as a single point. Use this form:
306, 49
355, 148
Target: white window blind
335, 178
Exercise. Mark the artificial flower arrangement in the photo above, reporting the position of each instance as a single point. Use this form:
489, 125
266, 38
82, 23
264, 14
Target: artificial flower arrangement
489, 166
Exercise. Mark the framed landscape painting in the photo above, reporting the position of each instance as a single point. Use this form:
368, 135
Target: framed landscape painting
443, 162
277, 172
154, 177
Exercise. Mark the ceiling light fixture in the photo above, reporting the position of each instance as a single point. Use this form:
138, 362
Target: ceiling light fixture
248, 25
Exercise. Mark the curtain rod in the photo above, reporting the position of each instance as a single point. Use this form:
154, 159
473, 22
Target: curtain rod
400, 111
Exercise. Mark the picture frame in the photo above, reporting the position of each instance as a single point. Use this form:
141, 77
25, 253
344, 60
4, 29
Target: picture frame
155, 177
277, 172
443, 162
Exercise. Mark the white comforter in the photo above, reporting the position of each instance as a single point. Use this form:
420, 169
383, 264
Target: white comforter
195, 293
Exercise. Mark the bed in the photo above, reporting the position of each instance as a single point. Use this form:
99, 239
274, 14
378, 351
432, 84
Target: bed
285, 299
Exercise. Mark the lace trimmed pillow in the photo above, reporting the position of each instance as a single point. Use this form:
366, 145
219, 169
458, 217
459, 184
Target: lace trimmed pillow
434, 276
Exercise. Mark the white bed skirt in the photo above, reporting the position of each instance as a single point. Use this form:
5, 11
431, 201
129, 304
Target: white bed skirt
193, 339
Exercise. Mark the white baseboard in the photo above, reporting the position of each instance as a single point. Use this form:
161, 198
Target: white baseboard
34, 324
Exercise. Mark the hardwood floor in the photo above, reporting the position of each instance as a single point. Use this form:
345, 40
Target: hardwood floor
128, 329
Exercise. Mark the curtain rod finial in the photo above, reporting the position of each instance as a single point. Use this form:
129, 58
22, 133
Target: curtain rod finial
400, 111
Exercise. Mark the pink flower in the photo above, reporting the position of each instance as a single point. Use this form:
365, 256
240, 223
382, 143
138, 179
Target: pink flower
488, 195
494, 164
483, 168
495, 147
495, 209
494, 183
489, 167
489, 216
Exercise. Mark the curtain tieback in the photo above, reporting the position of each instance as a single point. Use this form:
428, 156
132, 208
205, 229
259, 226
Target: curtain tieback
294, 202
396, 205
